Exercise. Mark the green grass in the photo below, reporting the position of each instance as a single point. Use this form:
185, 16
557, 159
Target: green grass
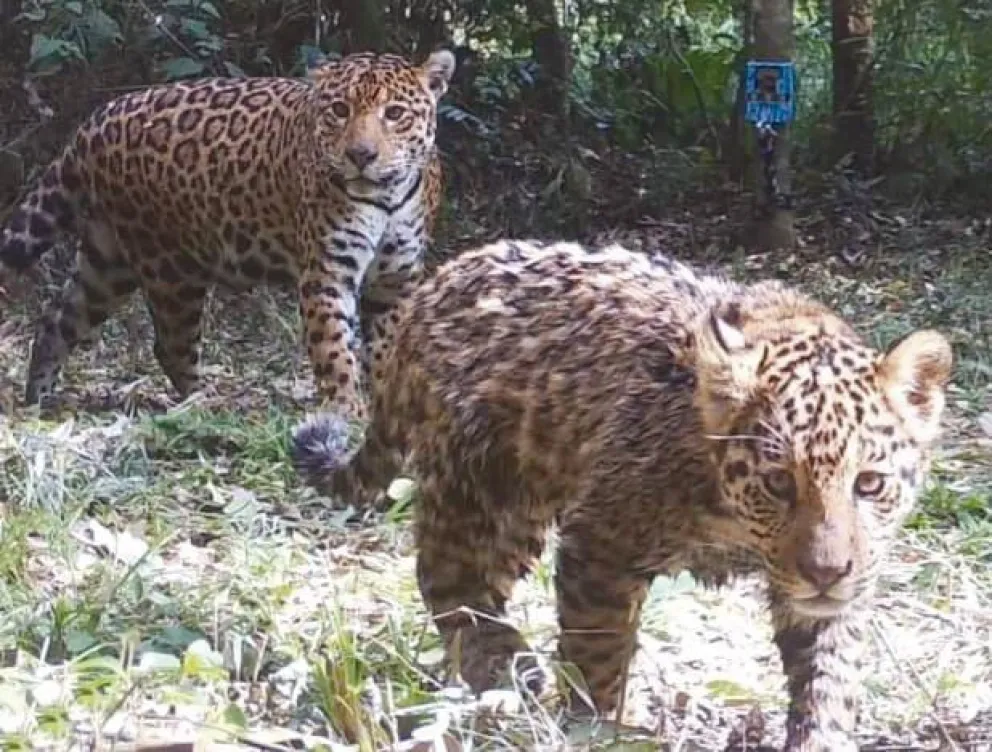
164, 575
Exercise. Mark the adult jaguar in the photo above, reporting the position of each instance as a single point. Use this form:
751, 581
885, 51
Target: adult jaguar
332, 182
667, 420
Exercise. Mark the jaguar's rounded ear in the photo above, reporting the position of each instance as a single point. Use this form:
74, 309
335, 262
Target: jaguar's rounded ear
436, 72
726, 364
720, 344
730, 339
913, 373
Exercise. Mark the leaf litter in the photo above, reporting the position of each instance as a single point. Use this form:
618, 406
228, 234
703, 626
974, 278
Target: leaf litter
168, 585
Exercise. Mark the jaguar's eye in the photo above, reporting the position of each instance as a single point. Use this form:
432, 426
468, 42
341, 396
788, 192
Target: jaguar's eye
394, 112
340, 109
869, 483
780, 483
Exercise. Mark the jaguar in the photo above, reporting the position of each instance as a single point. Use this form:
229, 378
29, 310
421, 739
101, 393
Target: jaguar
665, 420
330, 182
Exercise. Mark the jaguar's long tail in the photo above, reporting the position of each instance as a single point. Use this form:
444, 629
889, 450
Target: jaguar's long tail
331, 455
328, 456
33, 226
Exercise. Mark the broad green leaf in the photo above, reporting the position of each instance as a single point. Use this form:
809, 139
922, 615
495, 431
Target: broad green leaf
179, 637
233, 70
48, 54
208, 9
728, 690
101, 29
203, 663
97, 664
54, 722
202, 649
31, 14
235, 716
209, 45
196, 29
152, 662
79, 641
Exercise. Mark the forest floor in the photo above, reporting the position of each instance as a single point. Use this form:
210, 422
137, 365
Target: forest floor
166, 583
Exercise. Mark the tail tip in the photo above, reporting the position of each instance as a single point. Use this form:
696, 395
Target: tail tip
19, 250
14, 252
323, 445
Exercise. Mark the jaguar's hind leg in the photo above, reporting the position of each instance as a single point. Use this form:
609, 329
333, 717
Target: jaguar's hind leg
471, 552
177, 313
100, 284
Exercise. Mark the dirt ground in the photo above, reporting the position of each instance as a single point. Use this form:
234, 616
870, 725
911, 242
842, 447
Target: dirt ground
163, 575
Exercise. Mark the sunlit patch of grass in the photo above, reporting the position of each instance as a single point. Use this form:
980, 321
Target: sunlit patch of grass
16, 549
197, 433
173, 562
941, 506
361, 680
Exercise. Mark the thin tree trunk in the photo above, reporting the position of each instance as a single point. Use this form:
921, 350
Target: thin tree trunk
553, 53
14, 39
15, 45
365, 24
736, 152
432, 31
774, 40
854, 132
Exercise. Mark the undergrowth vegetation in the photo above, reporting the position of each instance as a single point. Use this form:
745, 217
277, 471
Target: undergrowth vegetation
648, 108
163, 575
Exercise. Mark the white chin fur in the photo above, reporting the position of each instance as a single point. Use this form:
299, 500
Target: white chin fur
820, 607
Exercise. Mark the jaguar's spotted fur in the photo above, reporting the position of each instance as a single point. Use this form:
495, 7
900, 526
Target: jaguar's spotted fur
667, 420
331, 182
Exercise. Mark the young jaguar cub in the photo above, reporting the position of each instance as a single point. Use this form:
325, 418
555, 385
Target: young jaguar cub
667, 421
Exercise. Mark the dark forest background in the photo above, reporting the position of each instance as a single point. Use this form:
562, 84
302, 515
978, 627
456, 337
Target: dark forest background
570, 117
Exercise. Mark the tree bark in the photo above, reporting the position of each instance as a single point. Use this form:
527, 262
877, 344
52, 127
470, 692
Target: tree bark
15, 42
431, 28
15, 46
773, 40
854, 132
365, 25
736, 152
553, 54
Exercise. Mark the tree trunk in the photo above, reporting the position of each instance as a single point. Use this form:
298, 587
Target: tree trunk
15, 41
431, 28
15, 46
735, 151
854, 132
773, 40
364, 24
553, 54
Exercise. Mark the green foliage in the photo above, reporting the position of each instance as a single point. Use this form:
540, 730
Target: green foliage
190, 26
932, 91
646, 74
942, 506
195, 433
66, 31
181, 37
